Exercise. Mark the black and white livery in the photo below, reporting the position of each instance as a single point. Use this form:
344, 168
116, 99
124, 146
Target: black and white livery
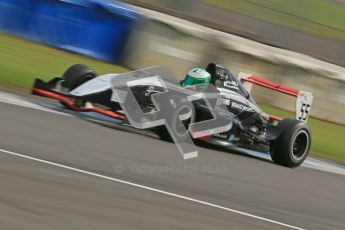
287, 140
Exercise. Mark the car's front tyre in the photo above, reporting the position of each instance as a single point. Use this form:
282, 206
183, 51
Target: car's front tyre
185, 112
76, 75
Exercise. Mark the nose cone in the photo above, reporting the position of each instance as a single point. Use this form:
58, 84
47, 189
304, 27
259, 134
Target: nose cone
96, 85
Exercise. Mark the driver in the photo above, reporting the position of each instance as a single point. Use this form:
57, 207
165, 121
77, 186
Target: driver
196, 76
201, 76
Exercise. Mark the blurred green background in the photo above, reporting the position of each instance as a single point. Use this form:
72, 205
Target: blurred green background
318, 17
312, 27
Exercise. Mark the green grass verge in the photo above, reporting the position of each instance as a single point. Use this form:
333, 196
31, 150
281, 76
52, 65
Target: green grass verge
328, 139
319, 17
22, 61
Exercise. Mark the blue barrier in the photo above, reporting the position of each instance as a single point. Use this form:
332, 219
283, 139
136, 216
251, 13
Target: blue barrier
96, 28
14, 15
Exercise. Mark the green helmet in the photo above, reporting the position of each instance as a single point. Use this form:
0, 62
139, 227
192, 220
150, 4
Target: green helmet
196, 76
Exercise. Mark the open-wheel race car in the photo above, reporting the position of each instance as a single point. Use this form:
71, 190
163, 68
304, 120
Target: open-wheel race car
286, 140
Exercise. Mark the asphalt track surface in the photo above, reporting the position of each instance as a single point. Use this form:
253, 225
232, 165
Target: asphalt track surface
64, 172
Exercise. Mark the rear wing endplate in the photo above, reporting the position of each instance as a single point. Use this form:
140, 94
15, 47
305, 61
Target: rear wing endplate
304, 99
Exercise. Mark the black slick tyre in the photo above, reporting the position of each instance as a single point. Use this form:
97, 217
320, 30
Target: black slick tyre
76, 75
292, 145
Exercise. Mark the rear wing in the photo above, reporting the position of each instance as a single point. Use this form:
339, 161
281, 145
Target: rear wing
304, 99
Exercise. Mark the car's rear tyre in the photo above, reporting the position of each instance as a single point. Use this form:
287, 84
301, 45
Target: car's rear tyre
293, 144
76, 75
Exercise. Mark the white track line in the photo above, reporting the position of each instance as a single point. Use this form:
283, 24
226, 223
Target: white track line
12, 99
147, 188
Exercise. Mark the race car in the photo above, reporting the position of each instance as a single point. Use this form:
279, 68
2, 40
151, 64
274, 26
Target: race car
287, 140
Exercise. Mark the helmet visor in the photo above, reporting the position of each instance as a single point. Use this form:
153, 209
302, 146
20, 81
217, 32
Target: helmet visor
194, 81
